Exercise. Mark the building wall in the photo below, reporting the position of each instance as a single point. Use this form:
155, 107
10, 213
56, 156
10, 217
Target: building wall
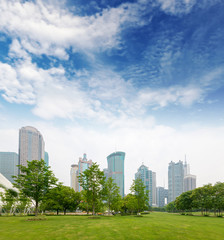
74, 177
175, 180
149, 179
46, 159
82, 166
189, 182
8, 165
31, 145
115, 163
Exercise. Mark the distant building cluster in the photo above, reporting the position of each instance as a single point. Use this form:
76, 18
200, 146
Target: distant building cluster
31, 147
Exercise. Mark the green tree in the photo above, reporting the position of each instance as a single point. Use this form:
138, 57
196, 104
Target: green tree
218, 201
23, 203
92, 181
61, 198
142, 196
111, 195
130, 203
9, 198
203, 198
171, 207
35, 181
184, 202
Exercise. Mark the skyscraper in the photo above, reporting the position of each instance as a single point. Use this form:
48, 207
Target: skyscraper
74, 177
189, 182
175, 180
46, 159
83, 165
161, 195
115, 163
149, 179
8, 165
31, 145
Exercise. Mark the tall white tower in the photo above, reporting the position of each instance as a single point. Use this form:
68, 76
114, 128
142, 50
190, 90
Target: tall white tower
31, 145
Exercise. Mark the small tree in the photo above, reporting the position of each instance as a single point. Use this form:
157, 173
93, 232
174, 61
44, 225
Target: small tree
35, 181
9, 198
142, 196
112, 196
129, 203
92, 180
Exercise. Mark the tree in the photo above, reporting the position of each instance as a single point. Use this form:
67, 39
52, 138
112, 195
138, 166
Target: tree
35, 181
218, 201
142, 196
130, 203
171, 207
184, 201
112, 196
203, 198
9, 198
61, 198
92, 181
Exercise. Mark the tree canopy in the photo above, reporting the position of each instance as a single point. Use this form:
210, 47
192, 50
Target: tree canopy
35, 180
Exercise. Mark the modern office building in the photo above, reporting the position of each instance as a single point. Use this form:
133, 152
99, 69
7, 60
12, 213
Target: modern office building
189, 182
74, 173
105, 171
46, 159
149, 179
8, 165
161, 196
175, 180
31, 145
115, 163
83, 165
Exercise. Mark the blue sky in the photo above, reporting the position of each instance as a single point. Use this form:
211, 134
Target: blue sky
144, 77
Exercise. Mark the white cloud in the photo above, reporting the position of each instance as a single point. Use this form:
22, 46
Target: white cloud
43, 29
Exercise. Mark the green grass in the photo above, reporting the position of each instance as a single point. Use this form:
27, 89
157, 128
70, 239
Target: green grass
153, 226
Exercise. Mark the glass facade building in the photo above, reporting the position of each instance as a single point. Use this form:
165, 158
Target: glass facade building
8, 165
149, 179
31, 145
46, 159
175, 180
82, 166
115, 168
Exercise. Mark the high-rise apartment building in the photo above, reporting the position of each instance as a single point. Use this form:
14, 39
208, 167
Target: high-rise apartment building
175, 180
149, 179
74, 177
115, 163
31, 145
8, 165
161, 196
83, 165
189, 182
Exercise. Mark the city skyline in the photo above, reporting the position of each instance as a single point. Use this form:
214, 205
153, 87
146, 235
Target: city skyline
142, 77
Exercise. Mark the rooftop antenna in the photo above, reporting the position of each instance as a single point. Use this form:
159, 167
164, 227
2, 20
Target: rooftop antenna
185, 159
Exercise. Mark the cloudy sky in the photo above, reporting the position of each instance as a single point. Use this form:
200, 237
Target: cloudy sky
142, 76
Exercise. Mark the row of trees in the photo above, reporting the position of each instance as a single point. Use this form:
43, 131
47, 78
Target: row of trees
206, 198
38, 186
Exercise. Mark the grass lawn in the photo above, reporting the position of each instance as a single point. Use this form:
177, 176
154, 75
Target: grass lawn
154, 226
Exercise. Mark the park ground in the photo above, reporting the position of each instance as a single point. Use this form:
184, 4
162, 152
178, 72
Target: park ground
152, 226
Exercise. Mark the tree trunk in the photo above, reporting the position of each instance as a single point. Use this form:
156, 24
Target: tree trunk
93, 208
57, 211
36, 208
65, 211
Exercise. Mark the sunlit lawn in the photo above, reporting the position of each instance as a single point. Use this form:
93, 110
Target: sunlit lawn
154, 226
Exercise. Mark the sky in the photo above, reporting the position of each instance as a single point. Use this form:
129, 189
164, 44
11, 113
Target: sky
142, 76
